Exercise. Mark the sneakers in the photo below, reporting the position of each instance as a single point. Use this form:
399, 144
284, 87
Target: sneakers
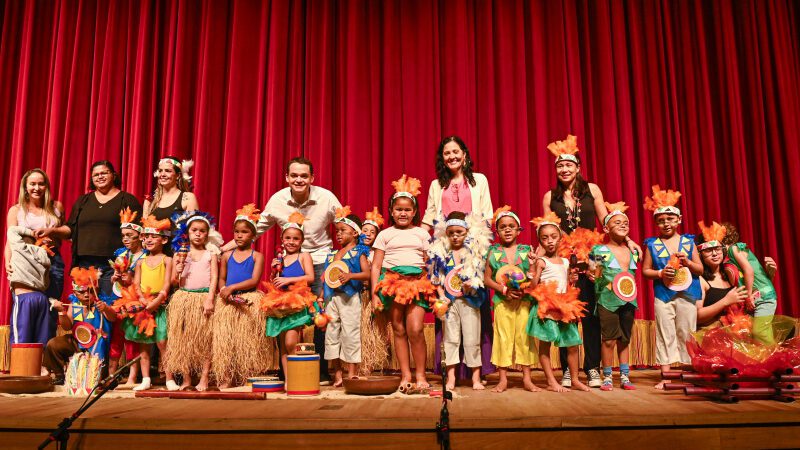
625, 383
566, 379
607, 385
594, 378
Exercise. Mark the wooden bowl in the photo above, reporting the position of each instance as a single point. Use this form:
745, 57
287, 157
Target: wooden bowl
25, 385
371, 385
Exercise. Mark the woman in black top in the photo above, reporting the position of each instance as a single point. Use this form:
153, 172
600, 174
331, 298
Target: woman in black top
579, 204
718, 290
94, 221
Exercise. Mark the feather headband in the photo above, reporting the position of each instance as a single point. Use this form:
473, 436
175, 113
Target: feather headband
248, 213
341, 217
84, 279
374, 218
155, 226
565, 150
295, 220
127, 219
615, 209
550, 218
180, 242
184, 166
663, 202
504, 211
406, 187
713, 235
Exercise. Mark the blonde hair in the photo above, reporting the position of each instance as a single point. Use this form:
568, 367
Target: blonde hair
48, 205
180, 182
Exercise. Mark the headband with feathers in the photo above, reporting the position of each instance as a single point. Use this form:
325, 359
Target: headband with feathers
295, 220
341, 217
663, 202
566, 149
184, 166
180, 242
550, 218
155, 226
615, 209
248, 213
713, 234
406, 187
374, 218
127, 219
504, 211
83, 279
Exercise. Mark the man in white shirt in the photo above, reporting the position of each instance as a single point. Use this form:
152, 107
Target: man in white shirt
318, 205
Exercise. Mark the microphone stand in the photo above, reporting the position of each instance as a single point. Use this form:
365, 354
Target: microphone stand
443, 425
61, 434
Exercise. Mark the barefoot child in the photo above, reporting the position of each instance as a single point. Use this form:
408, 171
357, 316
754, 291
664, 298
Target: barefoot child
399, 282
506, 265
342, 295
289, 296
239, 348
125, 261
457, 261
195, 273
560, 327
673, 263
151, 280
615, 286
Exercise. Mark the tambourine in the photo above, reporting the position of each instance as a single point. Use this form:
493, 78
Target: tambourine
509, 271
116, 288
332, 273
85, 334
453, 283
682, 280
624, 286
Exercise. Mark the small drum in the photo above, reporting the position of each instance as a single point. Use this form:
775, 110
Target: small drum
26, 359
253, 380
302, 375
305, 348
268, 386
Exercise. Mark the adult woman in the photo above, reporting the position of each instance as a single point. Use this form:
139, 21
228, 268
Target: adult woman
36, 210
94, 221
172, 193
579, 204
458, 188
718, 291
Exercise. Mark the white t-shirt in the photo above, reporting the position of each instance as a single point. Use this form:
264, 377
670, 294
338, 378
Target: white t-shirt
403, 247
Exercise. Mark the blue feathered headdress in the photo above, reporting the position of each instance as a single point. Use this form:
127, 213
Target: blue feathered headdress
182, 220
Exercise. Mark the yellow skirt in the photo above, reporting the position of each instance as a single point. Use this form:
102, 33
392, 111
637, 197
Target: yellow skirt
512, 345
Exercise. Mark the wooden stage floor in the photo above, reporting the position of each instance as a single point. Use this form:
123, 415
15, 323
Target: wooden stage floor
515, 419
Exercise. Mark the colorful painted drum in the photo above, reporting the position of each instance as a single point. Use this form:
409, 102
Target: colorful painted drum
253, 380
26, 359
268, 386
302, 375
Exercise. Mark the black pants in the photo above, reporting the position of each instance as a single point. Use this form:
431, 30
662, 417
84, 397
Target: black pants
591, 329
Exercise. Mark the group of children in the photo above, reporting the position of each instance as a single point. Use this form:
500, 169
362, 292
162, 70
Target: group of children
210, 315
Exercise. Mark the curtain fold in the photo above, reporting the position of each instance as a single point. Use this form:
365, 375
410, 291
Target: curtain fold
703, 97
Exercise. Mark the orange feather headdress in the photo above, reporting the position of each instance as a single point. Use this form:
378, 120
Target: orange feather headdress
579, 243
84, 279
406, 186
663, 202
341, 217
504, 211
374, 218
713, 235
127, 219
248, 213
550, 218
565, 150
615, 209
295, 220
155, 226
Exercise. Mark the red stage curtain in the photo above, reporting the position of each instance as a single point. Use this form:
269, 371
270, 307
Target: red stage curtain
701, 96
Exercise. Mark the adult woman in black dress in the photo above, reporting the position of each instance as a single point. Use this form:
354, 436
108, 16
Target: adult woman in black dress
94, 221
579, 204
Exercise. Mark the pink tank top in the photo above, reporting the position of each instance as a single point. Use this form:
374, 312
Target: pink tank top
196, 274
457, 197
33, 221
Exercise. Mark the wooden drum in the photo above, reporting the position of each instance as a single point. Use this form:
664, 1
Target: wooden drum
26, 359
302, 375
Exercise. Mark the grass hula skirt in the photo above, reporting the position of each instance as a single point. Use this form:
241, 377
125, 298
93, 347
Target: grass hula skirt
374, 337
554, 315
190, 332
405, 285
240, 349
287, 309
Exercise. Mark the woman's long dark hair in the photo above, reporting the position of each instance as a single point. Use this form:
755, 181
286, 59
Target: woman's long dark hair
443, 173
581, 185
